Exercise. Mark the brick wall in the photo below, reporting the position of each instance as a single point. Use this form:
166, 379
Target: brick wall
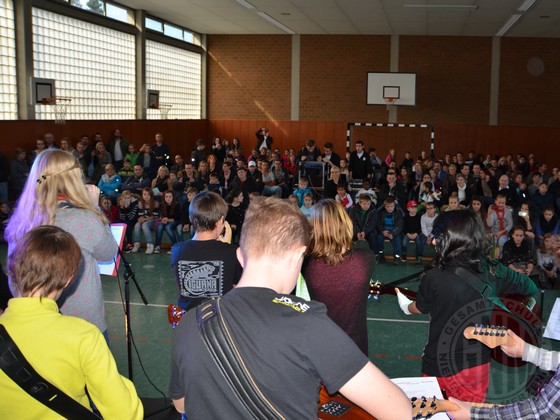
453, 78
530, 82
333, 76
249, 77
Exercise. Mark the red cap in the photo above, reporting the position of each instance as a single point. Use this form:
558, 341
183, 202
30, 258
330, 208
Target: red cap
412, 203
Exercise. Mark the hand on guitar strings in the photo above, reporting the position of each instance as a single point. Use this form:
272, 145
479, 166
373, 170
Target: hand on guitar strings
403, 301
515, 346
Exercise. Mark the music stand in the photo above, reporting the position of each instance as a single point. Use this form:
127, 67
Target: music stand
110, 269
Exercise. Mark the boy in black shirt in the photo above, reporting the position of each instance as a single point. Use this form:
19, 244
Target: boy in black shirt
205, 267
364, 218
412, 231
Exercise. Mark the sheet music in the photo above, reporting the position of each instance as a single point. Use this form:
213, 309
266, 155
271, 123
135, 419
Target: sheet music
553, 325
421, 387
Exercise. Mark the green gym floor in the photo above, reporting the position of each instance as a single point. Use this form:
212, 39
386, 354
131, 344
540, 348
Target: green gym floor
395, 340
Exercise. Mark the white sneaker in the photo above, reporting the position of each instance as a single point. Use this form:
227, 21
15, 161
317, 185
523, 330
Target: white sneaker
149, 249
169, 252
136, 247
156, 250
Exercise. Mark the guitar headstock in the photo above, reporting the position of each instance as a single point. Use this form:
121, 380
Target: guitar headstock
491, 336
423, 407
174, 314
375, 287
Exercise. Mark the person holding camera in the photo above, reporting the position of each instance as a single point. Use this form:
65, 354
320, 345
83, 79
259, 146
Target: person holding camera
264, 139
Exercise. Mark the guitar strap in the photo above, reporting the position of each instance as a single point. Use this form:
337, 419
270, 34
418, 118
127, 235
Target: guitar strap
483, 287
17, 368
219, 343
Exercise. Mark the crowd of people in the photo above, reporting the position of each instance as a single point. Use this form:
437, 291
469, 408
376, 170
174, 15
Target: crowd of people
307, 232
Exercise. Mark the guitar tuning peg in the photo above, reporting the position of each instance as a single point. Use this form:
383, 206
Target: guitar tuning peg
413, 399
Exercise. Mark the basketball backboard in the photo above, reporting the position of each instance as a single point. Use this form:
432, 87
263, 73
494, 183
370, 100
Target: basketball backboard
400, 86
153, 99
42, 89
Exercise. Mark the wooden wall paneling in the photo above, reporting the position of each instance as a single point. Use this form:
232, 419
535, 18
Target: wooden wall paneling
180, 135
543, 142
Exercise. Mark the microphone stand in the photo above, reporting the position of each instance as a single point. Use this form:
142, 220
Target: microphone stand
128, 275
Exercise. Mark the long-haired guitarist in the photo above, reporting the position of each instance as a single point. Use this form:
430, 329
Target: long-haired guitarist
462, 367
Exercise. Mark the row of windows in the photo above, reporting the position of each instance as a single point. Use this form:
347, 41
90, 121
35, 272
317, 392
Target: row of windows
95, 66
123, 14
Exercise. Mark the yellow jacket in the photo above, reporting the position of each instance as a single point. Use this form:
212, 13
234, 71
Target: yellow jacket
71, 354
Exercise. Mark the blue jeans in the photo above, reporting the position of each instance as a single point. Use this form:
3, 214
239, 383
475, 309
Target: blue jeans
145, 227
171, 230
272, 190
420, 242
396, 241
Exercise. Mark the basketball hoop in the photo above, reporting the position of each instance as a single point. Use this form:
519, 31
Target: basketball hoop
164, 109
390, 101
60, 105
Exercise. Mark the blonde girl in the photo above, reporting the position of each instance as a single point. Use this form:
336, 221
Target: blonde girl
55, 194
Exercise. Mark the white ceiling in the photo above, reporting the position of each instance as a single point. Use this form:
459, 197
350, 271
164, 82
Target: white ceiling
358, 17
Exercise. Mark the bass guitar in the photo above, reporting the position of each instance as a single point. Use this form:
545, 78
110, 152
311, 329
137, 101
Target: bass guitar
336, 406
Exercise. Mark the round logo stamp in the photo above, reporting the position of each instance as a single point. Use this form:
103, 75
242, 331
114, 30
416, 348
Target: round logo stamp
511, 378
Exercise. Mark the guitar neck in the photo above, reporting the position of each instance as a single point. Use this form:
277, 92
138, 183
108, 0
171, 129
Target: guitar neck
376, 288
336, 406
491, 336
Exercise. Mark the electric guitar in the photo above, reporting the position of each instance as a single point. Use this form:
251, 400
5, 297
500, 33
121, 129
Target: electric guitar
526, 323
335, 406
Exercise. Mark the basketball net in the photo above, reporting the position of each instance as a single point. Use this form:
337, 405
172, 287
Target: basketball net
59, 106
164, 110
390, 102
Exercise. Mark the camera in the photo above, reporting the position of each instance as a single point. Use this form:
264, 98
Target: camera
522, 213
